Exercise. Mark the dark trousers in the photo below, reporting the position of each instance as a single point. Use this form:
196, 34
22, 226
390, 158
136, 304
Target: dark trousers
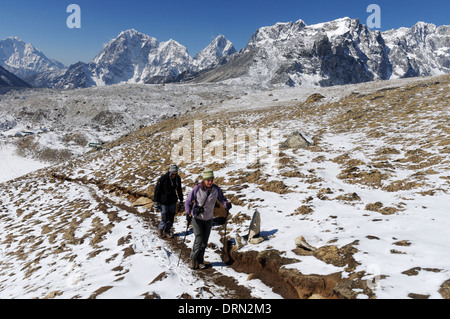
202, 230
167, 217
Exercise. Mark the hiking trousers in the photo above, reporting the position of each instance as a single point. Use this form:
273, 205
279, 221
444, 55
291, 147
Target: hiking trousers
167, 217
202, 230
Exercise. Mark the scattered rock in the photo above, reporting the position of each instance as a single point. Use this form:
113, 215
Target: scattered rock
142, 201
251, 276
300, 242
256, 240
316, 97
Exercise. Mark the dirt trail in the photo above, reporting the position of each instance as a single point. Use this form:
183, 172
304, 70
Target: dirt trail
266, 265
228, 285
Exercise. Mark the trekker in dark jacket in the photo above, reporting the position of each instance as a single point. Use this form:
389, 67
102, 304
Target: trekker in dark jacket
167, 192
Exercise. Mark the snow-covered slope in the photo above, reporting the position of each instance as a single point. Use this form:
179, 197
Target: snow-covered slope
423, 49
24, 60
370, 195
7, 79
338, 52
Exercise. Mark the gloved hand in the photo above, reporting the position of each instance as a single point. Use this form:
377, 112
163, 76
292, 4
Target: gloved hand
157, 206
181, 206
188, 218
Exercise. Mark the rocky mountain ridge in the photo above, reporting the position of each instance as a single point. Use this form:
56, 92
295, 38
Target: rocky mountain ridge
9, 80
134, 57
338, 52
24, 60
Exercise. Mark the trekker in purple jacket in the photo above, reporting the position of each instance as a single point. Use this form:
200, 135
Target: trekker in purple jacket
199, 208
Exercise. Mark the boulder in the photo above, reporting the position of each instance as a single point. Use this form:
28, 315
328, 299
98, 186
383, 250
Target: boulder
297, 140
255, 226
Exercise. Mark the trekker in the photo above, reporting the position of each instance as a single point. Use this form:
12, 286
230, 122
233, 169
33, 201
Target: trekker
199, 208
167, 192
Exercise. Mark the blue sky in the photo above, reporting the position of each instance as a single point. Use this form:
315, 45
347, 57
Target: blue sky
193, 23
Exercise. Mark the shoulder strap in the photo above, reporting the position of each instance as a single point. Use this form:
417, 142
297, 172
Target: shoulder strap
195, 191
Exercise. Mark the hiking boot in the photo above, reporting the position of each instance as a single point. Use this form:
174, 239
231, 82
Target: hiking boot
169, 235
193, 265
161, 233
204, 265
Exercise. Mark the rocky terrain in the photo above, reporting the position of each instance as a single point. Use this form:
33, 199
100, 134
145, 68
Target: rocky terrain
352, 203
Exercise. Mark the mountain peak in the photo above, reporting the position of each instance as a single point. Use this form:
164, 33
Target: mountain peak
133, 34
23, 59
14, 39
279, 31
341, 51
130, 32
220, 47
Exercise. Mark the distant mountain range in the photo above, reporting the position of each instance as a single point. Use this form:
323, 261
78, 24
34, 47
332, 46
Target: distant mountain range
342, 51
134, 57
337, 52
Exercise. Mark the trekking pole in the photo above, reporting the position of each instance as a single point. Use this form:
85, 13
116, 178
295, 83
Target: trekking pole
224, 254
182, 246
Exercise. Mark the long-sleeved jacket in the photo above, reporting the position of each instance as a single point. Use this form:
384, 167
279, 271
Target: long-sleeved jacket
199, 195
167, 189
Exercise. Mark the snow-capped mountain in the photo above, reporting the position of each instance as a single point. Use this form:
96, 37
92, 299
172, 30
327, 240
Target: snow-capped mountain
134, 57
24, 60
7, 79
211, 55
342, 51
423, 49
